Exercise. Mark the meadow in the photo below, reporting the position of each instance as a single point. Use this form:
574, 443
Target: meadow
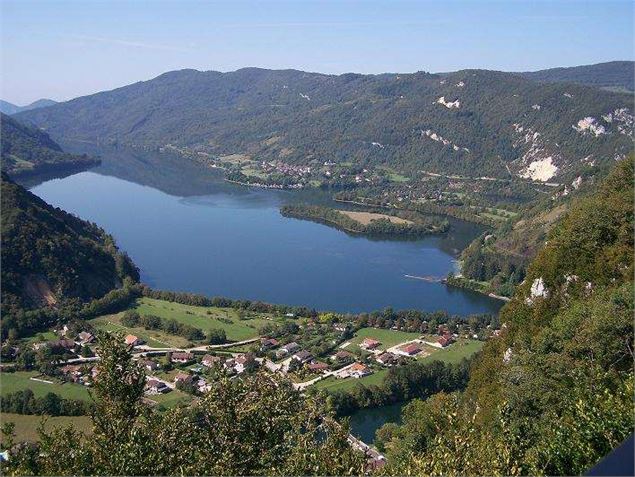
26, 426
20, 380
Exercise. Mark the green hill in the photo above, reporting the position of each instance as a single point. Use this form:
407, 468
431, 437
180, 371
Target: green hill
52, 258
27, 151
553, 394
471, 122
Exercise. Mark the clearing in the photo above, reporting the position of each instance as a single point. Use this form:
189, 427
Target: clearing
20, 380
366, 218
26, 425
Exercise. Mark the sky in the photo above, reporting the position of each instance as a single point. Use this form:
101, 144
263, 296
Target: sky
64, 49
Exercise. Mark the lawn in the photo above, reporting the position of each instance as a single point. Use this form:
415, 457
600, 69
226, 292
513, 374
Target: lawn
388, 338
456, 352
20, 380
205, 318
171, 399
43, 336
333, 384
154, 338
26, 426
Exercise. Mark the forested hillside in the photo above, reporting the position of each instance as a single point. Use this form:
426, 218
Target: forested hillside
614, 75
471, 122
27, 151
553, 394
51, 258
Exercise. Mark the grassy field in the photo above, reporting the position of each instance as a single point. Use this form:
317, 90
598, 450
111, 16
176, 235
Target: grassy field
12, 382
205, 318
18, 381
388, 338
333, 384
171, 399
366, 218
26, 426
44, 336
456, 352
154, 338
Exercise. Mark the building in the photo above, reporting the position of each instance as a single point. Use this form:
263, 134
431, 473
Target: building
446, 340
154, 386
303, 356
342, 356
240, 363
369, 344
73, 372
85, 338
318, 367
359, 370
181, 357
411, 349
150, 365
132, 340
290, 347
268, 343
183, 378
211, 361
387, 359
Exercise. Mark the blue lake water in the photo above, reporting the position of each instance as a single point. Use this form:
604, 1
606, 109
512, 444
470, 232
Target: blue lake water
205, 236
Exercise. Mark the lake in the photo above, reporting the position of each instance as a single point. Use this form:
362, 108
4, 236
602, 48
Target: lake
365, 422
188, 230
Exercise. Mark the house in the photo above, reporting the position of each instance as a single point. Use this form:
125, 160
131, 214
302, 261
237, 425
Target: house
230, 365
181, 357
446, 340
203, 386
342, 356
74, 372
85, 337
318, 367
386, 359
369, 344
63, 344
268, 343
211, 361
359, 370
240, 362
154, 386
411, 349
303, 356
183, 378
132, 340
290, 347
150, 365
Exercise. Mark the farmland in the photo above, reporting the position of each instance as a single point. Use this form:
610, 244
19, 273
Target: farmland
205, 318
26, 425
18, 381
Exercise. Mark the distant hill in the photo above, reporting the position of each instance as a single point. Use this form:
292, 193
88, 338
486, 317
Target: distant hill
27, 151
614, 75
50, 256
9, 108
471, 122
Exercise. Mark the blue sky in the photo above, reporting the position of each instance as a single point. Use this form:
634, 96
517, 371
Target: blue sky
64, 49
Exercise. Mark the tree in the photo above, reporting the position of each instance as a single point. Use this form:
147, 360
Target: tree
257, 425
216, 336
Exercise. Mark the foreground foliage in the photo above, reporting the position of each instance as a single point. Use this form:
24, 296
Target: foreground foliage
553, 395
253, 426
